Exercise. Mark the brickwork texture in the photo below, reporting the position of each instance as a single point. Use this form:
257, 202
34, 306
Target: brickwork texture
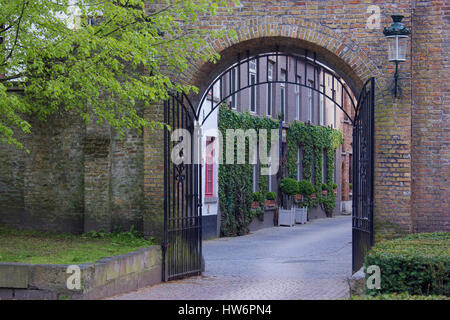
79, 177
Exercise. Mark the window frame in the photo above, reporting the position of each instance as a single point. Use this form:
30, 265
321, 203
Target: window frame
209, 168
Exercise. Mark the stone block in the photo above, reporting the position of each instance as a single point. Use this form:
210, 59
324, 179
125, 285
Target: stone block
13, 275
357, 283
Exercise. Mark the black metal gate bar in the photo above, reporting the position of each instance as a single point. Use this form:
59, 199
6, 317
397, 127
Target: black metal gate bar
182, 208
363, 178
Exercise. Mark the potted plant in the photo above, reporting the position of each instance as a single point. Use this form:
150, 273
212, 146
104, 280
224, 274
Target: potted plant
270, 199
289, 187
257, 200
324, 189
334, 187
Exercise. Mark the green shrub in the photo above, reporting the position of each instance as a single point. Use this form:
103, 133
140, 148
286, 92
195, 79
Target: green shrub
305, 187
399, 296
271, 195
324, 186
350, 185
258, 197
259, 213
334, 185
417, 264
289, 186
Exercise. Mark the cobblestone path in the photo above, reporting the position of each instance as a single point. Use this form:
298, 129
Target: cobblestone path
310, 261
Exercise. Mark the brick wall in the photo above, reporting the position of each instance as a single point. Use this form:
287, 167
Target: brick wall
337, 31
48, 187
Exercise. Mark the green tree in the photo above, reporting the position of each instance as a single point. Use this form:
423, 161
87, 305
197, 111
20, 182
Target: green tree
98, 59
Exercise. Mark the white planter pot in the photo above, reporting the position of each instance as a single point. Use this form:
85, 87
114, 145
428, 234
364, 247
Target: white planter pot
301, 215
286, 217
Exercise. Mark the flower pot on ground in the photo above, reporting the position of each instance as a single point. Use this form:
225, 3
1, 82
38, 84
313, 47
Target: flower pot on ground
289, 188
286, 217
301, 215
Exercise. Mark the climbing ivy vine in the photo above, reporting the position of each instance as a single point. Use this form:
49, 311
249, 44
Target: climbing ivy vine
236, 180
314, 140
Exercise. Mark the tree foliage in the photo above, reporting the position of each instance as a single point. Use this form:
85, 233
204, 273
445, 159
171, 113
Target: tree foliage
104, 60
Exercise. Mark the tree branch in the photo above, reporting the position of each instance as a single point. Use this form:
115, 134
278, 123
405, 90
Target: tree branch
25, 3
16, 76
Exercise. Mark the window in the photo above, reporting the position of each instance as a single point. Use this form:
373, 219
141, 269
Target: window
297, 98
269, 88
233, 87
282, 94
333, 109
299, 164
209, 167
310, 101
252, 69
321, 107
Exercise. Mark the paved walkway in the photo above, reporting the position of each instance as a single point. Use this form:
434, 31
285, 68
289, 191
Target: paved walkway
309, 261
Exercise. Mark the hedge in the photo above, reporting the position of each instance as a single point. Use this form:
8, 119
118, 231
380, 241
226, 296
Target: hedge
399, 296
417, 264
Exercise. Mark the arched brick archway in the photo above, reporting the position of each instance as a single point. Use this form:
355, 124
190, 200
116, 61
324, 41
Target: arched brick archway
263, 34
338, 51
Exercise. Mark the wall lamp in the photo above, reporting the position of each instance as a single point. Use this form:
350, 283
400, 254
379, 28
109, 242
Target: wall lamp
397, 37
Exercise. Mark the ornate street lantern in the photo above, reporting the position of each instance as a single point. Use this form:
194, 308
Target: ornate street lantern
397, 37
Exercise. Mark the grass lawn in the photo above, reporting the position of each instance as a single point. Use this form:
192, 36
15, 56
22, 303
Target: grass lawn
39, 247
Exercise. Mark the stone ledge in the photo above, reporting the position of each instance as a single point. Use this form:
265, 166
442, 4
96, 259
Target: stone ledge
106, 277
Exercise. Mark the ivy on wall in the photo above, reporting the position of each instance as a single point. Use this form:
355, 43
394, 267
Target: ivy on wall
236, 180
314, 141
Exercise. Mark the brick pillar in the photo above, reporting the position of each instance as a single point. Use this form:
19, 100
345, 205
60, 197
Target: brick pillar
392, 211
431, 116
154, 175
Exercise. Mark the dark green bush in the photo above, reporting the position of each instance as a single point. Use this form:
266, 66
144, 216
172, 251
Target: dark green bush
271, 195
334, 185
398, 296
258, 213
418, 264
324, 186
289, 186
305, 187
258, 197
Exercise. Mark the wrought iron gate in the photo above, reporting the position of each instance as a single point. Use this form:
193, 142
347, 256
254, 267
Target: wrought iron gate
363, 164
182, 250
